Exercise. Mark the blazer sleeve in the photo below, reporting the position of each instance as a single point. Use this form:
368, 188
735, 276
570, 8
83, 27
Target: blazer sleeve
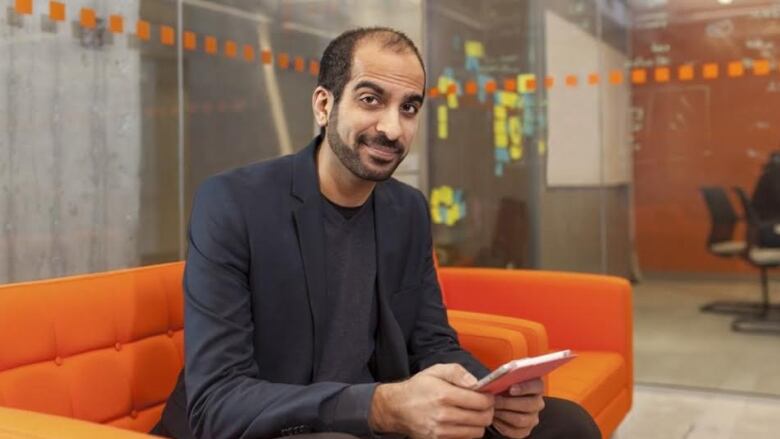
226, 397
433, 340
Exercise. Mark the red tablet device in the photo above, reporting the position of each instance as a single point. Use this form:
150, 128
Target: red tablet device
524, 369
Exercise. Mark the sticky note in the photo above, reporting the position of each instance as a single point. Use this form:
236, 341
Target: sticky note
685, 73
710, 71
510, 85
436, 215
453, 215
501, 140
571, 80
23, 7
87, 18
249, 53
523, 82
472, 63
516, 152
211, 45
761, 67
443, 84
616, 77
190, 40
299, 64
433, 92
447, 195
593, 78
490, 86
443, 214
167, 35
514, 130
452, 100
509, 100
542, 147
499, 112
474, 49
471, 88
116, 24
142, 30
441, 113
231, 48
56, 11
502, 155
662, 74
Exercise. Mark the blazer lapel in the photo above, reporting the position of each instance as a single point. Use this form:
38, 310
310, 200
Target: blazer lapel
311, 239
392, 357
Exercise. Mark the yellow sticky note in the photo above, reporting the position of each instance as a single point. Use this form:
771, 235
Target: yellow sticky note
502, 140
509, 99
514, 129
499, 127
516, 152
452, 101
436, 215
522, 82
474, 49
443, 84
442, 119
499, 112
447, 195
542, 147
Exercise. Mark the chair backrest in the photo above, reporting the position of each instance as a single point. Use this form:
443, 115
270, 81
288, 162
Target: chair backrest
751, 215
723, 217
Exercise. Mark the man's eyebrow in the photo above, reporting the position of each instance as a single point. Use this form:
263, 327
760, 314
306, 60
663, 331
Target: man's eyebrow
414, 98
368, 84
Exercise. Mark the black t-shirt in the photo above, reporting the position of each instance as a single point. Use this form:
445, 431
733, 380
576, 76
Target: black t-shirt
351, 287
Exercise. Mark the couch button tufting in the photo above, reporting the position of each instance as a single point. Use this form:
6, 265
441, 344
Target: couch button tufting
170, 333
134, 414
118, 346
58, 361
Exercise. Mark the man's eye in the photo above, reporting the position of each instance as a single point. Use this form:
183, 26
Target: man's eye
371, 100
410, 109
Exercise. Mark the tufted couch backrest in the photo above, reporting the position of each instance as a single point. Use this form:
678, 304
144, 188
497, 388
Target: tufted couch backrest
103, 347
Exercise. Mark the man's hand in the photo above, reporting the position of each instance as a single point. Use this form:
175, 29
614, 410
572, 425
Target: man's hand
434, 403
517, 414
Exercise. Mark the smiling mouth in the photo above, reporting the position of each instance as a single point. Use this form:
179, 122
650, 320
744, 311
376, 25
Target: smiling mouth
386, 153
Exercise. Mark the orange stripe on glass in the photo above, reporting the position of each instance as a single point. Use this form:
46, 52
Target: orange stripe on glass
231, 48
549, 81
300, 64
314, 67
471, 87
284, 60
530, 84
638, 76
190, 40
56, 11
616, 77
510, 85
433, 92
210, 44
761, 67
87, 18
593, 79
116, 24
143, 30
662, 74
571, 80
267, 57
167, 35
710, 71
249, 53
490, 86
23, 7
685, 73
452, 89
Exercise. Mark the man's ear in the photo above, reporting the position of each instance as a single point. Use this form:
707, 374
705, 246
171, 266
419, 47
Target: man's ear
321, 105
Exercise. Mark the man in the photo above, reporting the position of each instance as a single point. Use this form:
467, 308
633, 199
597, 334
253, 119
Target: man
310, 280
766, 201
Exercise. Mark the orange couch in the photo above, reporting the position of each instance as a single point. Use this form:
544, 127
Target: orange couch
589, 314
106, 348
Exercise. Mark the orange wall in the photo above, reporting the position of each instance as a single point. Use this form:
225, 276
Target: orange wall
699, 132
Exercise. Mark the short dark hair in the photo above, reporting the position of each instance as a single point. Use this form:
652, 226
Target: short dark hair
336, 62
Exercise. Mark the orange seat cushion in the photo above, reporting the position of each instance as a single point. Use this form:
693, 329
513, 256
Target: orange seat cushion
593, 379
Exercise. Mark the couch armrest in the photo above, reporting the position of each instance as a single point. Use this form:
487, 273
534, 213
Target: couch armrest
491, 345
23, 424
533, 332
579, 311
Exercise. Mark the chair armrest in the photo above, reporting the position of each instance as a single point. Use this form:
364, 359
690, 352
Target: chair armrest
533, 332
492, 346
579, 311
23, 424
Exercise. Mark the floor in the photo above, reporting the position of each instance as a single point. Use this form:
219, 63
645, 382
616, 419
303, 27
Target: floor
676, 344
696, 379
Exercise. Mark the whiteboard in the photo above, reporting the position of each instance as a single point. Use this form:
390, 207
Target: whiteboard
585, 120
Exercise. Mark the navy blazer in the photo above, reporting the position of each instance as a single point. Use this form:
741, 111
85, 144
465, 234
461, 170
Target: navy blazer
256, 305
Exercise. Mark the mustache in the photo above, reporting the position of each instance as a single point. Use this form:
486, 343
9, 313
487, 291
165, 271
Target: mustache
381, 140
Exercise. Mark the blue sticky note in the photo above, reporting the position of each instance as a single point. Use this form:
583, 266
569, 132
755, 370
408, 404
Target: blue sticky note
472, 63
499, 170
443, 214
502, 155
481, 81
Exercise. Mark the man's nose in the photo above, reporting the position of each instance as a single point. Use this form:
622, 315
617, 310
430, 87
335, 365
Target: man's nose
390, 125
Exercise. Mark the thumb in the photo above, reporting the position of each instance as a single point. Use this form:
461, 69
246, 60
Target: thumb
452, 373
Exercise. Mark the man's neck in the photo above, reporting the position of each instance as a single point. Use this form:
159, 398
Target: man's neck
337, 183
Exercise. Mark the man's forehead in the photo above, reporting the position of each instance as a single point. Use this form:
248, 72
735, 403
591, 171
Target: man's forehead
387, 64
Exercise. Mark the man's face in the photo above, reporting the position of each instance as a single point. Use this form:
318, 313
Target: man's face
372, 127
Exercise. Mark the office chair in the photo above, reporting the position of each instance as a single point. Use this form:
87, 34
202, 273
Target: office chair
764, 258
723, 220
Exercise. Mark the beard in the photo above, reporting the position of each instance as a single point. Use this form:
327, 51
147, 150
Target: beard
350, 155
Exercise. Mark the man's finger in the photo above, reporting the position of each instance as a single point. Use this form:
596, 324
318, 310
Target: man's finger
522, 404
531, 387
509, 431
517, 420
452, 373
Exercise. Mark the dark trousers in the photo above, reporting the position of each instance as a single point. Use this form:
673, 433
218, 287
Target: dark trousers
560, 419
